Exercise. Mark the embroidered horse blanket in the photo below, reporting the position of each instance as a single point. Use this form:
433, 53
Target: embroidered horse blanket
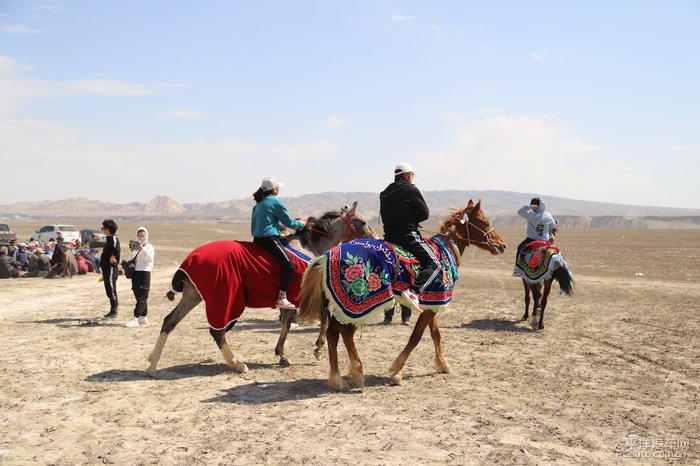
362, 276
537, 261
232, 275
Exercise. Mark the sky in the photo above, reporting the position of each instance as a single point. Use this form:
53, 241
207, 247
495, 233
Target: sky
122, 101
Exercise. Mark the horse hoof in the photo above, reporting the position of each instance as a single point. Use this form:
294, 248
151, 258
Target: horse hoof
241, 368
152, 372
285, 363
396, 379
317, 355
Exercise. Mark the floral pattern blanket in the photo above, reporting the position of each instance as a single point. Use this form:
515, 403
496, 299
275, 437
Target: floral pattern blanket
233, 275
362, 276
537, 261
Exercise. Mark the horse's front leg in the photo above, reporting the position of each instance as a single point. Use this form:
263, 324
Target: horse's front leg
220, 339
287, 318
441, 364
535, 306
335, 381
527, 300
396, 369
356, 373
190, 298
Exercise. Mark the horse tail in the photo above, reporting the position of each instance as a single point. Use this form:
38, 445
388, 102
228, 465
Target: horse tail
565, 280
311, 302
176, 284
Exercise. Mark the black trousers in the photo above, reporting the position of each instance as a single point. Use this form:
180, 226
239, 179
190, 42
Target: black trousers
140, 285
430, 266
273, 245
405, 313
524, 243
110, 274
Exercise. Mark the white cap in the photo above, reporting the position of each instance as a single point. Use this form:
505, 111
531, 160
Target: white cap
269, 183
22, 245
402, 168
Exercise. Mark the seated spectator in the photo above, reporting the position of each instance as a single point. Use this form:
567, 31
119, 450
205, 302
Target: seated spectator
84, 265
22, 256
70, 265
9, 268
39, 265
12, 248
94, 258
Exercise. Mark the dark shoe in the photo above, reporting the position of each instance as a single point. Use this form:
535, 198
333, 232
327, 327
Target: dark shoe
387, 321
111, 315
406, 321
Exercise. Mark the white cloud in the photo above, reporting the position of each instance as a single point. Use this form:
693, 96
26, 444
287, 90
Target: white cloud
539, 55
397, 18
194, 114
335, 121
19, 29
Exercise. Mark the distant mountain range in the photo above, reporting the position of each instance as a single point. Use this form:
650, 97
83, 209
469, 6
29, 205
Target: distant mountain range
499, 205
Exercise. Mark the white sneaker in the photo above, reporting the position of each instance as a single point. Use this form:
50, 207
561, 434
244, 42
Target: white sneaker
133, 322
143, 320
285, 304
412, 300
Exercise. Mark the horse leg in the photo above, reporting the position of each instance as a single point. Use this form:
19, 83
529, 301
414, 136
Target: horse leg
396, 369
527, 300
543, 301
190, 298
535, 305
220, 339
348, 332
287, 318
335, 381
441, 364
321, 340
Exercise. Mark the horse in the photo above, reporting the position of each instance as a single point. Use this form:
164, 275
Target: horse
372, 274
538, 265
236, 267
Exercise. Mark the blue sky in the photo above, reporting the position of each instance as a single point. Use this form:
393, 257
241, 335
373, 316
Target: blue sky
121, 101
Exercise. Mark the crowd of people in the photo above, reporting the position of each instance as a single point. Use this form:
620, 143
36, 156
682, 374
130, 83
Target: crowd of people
50, 260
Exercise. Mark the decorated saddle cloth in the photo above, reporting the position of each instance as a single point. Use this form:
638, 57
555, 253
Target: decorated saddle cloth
537, 261
233, 275
362, 276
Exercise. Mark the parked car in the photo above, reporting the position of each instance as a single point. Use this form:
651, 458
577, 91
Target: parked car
92, 238
48, 233
6, 235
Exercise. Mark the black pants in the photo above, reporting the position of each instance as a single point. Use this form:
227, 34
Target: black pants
430, 266
405, 313
524, 243
273, 245
110, 273
140, 284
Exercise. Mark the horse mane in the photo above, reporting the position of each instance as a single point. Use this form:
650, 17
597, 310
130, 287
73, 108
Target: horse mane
448, 226
322, 223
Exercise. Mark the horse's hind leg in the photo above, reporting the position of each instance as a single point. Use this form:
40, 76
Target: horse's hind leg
220, 339
335, 381
287, 318
321, 340
396, 369
535, 306
527, 300
356, 373
441, 364
543, 302
190, 298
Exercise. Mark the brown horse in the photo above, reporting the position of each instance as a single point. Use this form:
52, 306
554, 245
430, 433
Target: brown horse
249, 266
465, 227
540, 289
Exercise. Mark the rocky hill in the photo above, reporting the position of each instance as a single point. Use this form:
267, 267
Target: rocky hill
500, 206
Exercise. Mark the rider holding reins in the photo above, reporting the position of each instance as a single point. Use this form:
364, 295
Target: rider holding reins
402, 208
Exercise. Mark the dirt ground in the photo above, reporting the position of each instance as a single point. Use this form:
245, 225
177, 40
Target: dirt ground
613, 378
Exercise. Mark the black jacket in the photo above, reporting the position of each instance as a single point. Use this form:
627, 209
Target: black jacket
111, 248
402, 208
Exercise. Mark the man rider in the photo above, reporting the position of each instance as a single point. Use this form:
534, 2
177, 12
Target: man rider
402, 208
540, 223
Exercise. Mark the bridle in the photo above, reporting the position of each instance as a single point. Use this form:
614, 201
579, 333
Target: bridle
350, 226
468, 239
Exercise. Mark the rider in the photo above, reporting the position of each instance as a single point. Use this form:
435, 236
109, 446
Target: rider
402, 208
268, 212
540, 223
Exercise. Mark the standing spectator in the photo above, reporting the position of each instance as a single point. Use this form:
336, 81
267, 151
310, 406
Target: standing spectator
9, 268
22, 256
12, 248
57, 255
109, 263
143, 253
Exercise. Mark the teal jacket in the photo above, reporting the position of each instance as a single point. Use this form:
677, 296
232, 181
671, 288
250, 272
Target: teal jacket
268, 214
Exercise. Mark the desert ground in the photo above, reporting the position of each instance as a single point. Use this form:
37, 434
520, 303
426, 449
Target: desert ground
612, 379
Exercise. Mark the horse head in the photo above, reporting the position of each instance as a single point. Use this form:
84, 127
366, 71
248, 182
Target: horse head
332, 228
355, 226
471, 226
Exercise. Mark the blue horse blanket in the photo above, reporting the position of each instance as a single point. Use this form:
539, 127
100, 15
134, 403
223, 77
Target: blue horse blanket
361, 277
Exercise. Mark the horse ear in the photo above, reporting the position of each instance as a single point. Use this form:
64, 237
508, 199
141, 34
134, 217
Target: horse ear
471, 204
352, 208
478, 205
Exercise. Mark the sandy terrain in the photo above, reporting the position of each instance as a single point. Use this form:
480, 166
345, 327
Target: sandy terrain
615, 375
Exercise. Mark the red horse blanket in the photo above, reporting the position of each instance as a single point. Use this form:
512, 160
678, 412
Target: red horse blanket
233, 275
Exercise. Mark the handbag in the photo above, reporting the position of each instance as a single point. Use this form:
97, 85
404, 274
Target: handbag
130, 266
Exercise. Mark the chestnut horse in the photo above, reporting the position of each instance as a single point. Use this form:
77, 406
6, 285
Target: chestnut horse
245, 265
540, 288
465, 227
